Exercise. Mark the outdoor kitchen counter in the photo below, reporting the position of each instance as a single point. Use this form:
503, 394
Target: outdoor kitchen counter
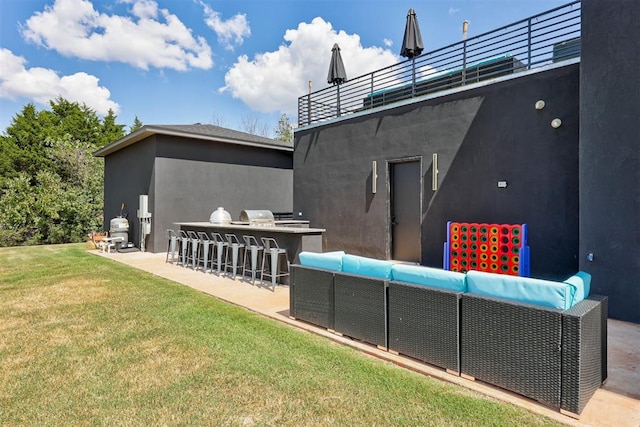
295, 238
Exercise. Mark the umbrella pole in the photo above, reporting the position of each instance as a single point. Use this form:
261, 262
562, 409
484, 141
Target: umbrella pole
338, 89
413, 75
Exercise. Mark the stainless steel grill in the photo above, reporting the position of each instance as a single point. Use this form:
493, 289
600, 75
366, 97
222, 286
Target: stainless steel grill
263, 218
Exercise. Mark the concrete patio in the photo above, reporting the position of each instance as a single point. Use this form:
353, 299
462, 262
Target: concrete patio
616, 403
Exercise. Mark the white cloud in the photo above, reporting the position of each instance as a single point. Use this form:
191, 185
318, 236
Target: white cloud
453, 10
151, 37
387, 42
272, 81
42, 85
143, 9
231, 31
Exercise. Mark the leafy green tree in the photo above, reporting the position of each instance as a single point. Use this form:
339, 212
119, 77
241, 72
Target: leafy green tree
51, 186
110, 131
8, 153
137, 124
25, 141
16, 211
284, 131
71, 118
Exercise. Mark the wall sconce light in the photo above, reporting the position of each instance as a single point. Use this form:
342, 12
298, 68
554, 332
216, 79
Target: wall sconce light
374, 177
434, 172
540, 104
556, 123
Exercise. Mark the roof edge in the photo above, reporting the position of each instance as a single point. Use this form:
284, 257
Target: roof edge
150, 130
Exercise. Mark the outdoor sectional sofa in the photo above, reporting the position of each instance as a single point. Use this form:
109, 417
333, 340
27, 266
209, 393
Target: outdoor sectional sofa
545, 340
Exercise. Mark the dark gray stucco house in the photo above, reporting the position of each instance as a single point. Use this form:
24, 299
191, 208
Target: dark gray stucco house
188, 171
499, 160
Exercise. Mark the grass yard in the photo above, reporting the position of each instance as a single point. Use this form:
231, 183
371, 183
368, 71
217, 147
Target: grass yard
87, 341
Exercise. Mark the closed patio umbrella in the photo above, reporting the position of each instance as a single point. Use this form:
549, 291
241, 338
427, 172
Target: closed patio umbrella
412, 45
337, 74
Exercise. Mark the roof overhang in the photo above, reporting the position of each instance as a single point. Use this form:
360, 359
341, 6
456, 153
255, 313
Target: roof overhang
147, 131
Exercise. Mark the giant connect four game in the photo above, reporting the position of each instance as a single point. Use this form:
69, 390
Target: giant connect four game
495, 248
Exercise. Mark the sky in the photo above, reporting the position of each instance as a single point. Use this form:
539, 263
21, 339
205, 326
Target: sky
219, 62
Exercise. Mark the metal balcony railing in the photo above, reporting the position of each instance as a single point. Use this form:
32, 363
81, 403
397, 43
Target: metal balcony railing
539, 40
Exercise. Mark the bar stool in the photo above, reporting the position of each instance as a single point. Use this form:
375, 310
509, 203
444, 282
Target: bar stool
273, 251
219, 245
184, 247
192, 255
205, 245
173, 246
234, 246
253, 248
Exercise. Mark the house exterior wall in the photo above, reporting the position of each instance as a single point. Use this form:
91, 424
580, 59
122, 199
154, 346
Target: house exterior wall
610, 153
483, 135
186, 179
127, 174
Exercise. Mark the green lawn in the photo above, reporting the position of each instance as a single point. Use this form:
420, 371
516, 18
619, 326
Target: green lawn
86, 341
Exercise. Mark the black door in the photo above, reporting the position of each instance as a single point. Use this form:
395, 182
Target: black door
406, 185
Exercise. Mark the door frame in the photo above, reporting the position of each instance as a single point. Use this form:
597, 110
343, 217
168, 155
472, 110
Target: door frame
389, 182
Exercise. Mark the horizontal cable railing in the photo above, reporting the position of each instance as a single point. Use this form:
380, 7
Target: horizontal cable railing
539, 40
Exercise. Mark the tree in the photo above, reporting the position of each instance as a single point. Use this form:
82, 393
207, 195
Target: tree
25, 142
78, 121
110, 131
251, 123
137, 124
51, 186
218, 120
284, 131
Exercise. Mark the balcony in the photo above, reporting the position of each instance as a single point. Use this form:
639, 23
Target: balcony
540, 40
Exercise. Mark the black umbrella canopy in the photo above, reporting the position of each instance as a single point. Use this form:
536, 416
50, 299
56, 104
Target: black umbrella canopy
412, 42
336, 75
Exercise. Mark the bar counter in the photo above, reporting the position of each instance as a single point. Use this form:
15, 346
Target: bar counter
295, 238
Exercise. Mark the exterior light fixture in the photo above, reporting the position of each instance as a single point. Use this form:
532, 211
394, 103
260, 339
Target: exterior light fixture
540, 104
374, 176
434, 172
556, 123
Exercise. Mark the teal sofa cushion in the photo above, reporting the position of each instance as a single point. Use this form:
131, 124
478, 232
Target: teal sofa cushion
581, 281
522, 289
364, 266
435, 277
326, 260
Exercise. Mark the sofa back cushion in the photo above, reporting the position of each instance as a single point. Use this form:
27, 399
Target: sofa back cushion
521, 289
435, 277
364, 266
581, 281
326, 260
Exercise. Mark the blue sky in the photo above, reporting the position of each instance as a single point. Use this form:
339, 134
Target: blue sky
219, 62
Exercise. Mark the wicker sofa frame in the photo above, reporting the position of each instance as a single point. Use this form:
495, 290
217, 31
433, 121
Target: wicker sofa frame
360, 308
424, 324
557, 357
311, 295
351, 305
417, 321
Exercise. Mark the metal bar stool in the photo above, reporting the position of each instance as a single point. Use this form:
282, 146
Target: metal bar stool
194, 242
273, 251
205, 245
173, 246
219, 247
234, 246
252, 248
184, 247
